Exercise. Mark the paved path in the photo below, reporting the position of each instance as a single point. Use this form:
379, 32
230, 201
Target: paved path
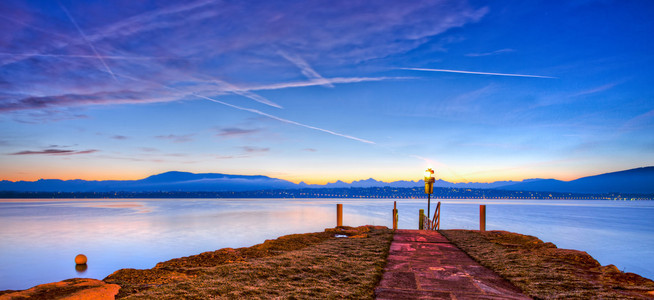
425, 265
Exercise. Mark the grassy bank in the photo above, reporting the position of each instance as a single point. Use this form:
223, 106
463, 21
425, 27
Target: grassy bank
313, 265
321, 265
543, 271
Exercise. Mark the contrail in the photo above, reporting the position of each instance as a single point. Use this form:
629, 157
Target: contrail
258, 112
314, 82
306, 69
284, 120
476, 73
245, 93
97, 55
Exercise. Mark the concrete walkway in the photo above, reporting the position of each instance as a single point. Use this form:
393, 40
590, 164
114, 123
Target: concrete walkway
425, 265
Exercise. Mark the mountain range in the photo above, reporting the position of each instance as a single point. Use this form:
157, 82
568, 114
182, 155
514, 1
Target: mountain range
639, 180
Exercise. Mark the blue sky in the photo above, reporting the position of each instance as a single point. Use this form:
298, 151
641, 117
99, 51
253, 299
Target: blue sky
319, 91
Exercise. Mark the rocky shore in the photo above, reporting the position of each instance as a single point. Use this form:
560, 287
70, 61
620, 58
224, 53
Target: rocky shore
347, 262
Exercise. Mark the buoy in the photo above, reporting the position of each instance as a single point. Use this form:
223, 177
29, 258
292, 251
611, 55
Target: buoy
80, 259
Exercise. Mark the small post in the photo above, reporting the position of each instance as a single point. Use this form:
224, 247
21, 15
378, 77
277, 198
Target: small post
420, 219
482, 217
428, 204
339, 215
395, 217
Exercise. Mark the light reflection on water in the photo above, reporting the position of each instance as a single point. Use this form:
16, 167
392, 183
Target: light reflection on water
40, 238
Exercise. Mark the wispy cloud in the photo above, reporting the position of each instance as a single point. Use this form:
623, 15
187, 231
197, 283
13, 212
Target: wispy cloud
250, 149
496, 52
149, 149
468, 103
56, 53
110, 57
79, 99
643, 121
158, 19
147, 94
233, 131
595, 90
54, 152
475, 73
154, 56
119, 137
567, 98
176, 138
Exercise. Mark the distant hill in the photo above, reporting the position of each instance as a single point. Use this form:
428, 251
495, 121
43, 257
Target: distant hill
166, 182
639, 180
210, 182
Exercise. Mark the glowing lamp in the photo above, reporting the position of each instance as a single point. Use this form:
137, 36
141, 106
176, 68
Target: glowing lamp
429, 187
429, 181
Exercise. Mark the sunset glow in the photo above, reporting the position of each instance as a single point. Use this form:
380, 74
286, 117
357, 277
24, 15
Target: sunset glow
320, 91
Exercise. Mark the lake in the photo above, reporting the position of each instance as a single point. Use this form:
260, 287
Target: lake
39, 238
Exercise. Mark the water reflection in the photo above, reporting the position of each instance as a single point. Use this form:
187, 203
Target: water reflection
81, 269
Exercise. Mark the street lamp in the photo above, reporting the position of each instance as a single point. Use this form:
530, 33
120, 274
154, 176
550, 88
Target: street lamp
429, 187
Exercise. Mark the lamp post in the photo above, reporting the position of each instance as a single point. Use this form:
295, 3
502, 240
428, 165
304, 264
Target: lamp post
429, 187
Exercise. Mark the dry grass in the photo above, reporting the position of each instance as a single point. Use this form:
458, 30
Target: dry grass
543, 271
314, 265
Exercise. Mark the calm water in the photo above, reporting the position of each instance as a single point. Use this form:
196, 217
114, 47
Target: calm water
40, 238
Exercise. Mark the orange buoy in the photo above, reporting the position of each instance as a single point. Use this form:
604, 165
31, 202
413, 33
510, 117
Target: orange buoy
80, 259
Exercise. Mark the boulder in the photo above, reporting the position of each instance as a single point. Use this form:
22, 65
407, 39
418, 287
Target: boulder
70, 289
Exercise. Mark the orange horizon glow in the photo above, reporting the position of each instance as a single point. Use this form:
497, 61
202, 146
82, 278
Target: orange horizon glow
479, 177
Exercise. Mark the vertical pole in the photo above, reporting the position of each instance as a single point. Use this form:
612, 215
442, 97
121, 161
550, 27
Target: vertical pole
420, 221
428, 203
395, 215
339, 215
482, 217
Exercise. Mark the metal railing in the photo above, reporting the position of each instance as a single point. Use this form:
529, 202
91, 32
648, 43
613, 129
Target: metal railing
432, 224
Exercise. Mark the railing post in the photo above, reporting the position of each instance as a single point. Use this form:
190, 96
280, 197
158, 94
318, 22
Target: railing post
420, 219
395, 217
482, 217
339, 215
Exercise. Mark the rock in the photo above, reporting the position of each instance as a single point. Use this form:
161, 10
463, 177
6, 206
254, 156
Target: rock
70, 289
359, 236
609, 269
353, 231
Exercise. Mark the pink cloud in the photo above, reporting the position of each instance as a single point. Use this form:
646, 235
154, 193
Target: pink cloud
54, 152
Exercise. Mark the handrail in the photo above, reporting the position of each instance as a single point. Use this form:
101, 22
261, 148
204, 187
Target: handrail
435, 223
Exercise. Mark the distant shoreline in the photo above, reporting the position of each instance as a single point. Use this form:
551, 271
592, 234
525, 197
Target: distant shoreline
353, 193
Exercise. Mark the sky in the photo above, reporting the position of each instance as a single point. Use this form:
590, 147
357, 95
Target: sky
319, 91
